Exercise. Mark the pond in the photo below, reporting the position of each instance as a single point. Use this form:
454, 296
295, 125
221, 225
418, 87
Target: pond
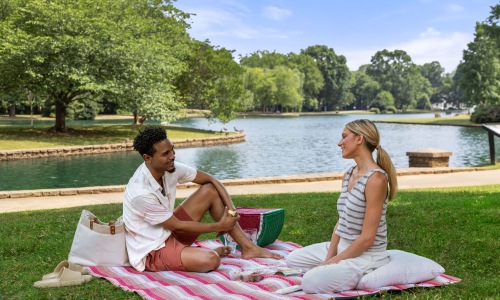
274, 146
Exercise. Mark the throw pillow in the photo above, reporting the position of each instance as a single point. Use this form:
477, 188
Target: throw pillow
403, 268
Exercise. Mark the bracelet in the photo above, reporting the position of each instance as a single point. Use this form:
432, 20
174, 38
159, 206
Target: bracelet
232, 213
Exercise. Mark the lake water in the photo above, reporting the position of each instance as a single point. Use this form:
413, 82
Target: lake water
274, 146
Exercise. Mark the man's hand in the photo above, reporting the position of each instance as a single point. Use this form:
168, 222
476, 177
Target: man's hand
227, 221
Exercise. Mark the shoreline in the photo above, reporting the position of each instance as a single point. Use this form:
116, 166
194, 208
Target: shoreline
5, 155
287, 179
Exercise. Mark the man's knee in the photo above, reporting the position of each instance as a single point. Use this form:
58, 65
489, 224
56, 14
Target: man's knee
211, 261
209, 190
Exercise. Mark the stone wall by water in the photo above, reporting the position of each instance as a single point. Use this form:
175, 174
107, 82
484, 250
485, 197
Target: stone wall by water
125, 146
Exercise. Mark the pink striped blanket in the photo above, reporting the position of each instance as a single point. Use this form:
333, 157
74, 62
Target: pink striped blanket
217, 284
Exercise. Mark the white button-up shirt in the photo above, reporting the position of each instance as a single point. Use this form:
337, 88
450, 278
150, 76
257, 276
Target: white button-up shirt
145, 208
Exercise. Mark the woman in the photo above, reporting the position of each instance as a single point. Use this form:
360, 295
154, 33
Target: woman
359, 239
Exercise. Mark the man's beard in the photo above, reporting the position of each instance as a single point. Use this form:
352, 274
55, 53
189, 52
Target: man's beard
171, 170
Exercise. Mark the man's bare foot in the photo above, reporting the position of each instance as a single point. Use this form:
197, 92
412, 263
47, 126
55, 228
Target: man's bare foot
258, 252
223, 251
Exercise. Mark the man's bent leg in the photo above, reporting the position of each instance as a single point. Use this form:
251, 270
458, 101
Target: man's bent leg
207, 198
170, 257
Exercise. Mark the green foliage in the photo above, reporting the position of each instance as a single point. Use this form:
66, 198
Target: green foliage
313, 79
480, 68
130, 51
212, 81
364, 88
433, 72
488, 114
382, 101
134, 54
83, 110
336, 76
263, 59
445, 225
375, 110
391, 109
259, 83
276, 82
288, 88
424, 103
396, 73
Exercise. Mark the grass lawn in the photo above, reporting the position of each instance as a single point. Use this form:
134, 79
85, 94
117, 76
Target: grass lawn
25, 137
460, 120
456, 227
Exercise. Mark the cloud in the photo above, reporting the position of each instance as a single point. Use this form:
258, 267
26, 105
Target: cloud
429, 46
232, 23
445, 48
429, 33
276, 13
454, 8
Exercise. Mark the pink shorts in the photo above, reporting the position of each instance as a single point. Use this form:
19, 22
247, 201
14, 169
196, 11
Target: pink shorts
168, 258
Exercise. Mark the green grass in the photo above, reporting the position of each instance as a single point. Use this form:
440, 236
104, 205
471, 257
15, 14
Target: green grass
458, 228
459, 120
24, 137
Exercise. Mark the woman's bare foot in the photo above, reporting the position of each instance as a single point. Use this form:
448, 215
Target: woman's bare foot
223, 251
258, 252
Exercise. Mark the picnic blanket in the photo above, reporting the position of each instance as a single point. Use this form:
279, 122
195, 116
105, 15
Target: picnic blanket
177, 285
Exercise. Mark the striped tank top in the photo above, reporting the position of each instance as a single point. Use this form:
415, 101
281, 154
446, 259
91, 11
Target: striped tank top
351, 208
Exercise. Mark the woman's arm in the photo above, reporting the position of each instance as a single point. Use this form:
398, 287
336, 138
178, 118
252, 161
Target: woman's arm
375, 195
334, 242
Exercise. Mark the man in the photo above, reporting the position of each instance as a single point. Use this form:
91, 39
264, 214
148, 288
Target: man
159, 237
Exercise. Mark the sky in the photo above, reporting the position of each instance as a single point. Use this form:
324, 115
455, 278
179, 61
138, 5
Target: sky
428, 30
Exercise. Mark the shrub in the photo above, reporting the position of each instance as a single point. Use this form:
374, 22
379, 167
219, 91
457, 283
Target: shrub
375, 110
83, 110
489, 114
392, 109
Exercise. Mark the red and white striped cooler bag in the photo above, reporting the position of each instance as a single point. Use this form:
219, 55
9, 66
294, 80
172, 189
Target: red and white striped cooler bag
267, 221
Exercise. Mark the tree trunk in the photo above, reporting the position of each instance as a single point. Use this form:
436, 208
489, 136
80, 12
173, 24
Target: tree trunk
139, 120
12, 110
60, 116
142, 119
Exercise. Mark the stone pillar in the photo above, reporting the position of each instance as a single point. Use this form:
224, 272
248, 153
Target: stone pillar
429, 158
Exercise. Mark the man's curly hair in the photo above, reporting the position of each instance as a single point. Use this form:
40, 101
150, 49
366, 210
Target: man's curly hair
145, 140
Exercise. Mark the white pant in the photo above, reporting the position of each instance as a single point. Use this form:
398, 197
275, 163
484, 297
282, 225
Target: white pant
341, 276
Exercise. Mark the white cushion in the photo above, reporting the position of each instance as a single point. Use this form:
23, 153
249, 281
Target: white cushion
403, 268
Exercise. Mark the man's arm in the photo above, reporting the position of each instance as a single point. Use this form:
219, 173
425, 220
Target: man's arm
226, 223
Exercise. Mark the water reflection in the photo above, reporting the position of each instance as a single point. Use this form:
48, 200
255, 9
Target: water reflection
274, 146
224, 160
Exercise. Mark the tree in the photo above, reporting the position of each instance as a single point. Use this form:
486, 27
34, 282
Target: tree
336, 75
480, 65
313, 79
211, 81
288, 83
433, 72
259, 83
382, 101
70, 50
364, 89
263, 59
396, 73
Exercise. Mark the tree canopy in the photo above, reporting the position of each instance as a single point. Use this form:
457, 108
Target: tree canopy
480, 66
135, 53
